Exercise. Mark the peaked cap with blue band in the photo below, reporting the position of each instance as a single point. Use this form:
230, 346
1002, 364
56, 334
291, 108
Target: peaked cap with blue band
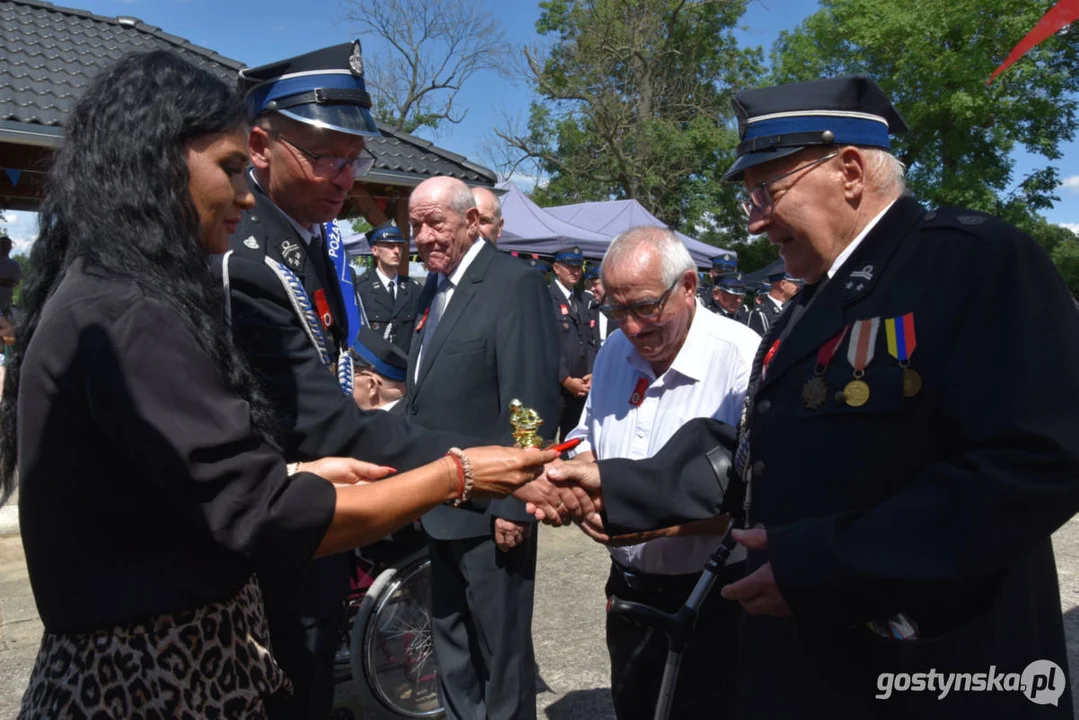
731, 283
386, 233
324, 88
726, 261
380, 355
569, 256
774, 122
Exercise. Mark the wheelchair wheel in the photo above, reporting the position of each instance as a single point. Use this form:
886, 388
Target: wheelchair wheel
392, 650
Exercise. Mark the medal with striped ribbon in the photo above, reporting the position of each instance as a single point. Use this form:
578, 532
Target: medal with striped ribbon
860, 352
901, 344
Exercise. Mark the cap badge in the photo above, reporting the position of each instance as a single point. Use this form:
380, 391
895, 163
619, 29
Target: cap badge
355, 60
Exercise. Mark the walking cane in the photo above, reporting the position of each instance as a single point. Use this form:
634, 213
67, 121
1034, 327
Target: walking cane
678, 626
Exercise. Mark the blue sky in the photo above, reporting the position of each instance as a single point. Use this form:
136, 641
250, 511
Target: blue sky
259, 32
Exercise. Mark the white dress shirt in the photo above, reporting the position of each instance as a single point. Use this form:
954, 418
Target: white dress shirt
387, 281
708, 378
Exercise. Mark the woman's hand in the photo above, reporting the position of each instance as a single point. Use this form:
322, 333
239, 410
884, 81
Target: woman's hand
345, 470
498, 471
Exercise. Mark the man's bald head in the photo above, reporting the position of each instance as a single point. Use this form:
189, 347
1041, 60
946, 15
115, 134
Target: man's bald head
490, 208
444, 220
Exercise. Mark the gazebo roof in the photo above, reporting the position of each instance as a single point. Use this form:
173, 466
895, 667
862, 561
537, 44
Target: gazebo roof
52, 53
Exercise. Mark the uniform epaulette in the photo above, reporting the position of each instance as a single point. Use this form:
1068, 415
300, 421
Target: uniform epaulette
972, 222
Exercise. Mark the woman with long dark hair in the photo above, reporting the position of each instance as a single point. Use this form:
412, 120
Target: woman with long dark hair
149, 487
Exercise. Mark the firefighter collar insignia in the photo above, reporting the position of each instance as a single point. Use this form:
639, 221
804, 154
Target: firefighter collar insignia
865, 273
292, 254
251, 242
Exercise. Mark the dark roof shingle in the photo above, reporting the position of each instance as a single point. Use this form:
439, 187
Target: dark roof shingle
51, 53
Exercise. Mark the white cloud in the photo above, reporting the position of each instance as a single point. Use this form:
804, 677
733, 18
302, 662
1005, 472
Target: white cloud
527, 183
21, 227
1074, 227
1071, 183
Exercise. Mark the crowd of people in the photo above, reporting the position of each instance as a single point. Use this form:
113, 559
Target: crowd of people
235, 419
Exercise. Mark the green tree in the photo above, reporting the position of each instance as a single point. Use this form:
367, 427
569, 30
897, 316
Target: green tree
634, 102
933, 58
24, 267
1066, 257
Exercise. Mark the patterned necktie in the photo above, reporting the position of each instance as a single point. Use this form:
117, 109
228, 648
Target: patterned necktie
438, 307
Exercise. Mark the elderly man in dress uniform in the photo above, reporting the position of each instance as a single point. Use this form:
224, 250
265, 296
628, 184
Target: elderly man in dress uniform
908, 455
389, 300
576, 333
293, 314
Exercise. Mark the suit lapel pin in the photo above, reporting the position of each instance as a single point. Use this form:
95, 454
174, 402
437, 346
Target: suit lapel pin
251, 242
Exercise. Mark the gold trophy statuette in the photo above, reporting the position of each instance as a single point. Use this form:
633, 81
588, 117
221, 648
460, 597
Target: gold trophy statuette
525, 422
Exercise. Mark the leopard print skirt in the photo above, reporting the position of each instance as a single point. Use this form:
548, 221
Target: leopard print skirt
211, 662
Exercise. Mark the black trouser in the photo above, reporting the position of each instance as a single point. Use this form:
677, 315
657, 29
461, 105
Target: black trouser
481, 624
306, 614
572, 406
706, 683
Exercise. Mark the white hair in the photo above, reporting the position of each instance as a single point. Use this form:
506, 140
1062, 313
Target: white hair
886, 172
459, 197
675, 260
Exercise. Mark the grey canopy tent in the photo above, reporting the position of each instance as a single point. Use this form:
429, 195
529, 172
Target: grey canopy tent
530, 229
614, 216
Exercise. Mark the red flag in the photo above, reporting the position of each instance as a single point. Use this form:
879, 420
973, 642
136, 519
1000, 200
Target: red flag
1061, 14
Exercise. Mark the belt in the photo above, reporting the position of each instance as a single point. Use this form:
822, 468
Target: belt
655, 582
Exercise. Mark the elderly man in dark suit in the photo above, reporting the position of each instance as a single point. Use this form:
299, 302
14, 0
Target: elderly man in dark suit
907, 454
485, 337
389, 300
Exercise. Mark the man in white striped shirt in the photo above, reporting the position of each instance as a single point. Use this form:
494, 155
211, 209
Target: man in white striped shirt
668, 363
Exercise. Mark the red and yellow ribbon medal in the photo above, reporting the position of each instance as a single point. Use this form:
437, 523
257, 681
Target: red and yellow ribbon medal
815, 391
860, 352
901, 344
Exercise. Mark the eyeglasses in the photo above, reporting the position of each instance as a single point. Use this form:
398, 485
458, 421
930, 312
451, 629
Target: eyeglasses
327, 166
760, 199
642, 309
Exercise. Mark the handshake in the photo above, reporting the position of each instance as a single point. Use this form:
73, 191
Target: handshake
572, 492
567, 492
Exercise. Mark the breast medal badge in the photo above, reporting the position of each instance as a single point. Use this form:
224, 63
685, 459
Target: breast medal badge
901, 344
637, 397
860, 352
815, 391
292, 254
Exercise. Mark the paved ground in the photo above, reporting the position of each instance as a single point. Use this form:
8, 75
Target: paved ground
568, 626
